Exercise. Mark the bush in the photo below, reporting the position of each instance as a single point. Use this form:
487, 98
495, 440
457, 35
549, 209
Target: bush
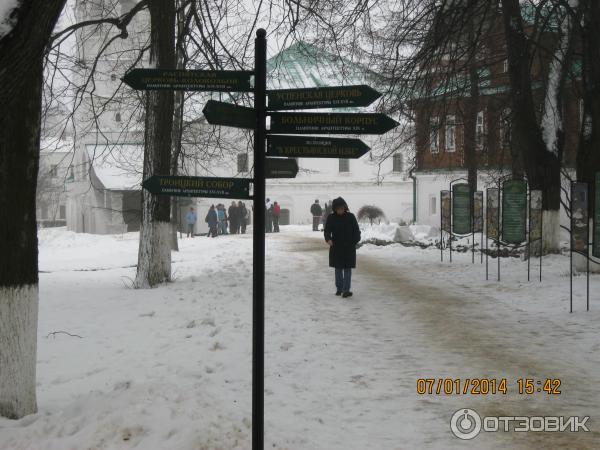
371, 213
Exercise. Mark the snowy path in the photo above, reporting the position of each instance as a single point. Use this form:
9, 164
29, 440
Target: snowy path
169, 368
399, 328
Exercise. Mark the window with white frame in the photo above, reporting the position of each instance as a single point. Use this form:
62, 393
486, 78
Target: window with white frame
450, 133
242, 162
432, 205
398, 163
480, 130
505, 66
62, 215
344, 165
434, 138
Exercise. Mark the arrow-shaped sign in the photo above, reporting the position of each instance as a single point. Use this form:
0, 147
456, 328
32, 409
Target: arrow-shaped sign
324, 97
235, 188
281, 168
334, 123
315, 147
229, 115
189, 80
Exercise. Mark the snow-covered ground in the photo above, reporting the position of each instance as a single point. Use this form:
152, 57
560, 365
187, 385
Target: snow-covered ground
170, 368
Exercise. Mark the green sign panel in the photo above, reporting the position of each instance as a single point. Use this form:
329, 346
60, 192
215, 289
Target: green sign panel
281, 168
596, 247
315, 147
461, 209
333, 123
514, 211
229, 115
189, 80
235, 188
325, 97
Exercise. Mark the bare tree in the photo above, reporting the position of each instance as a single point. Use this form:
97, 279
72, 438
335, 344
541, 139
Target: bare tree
21, 59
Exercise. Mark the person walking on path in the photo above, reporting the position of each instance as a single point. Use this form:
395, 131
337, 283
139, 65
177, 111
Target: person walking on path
276, 215
191, 218
316, 212
212, 220
342, 234
233, 218
243, 213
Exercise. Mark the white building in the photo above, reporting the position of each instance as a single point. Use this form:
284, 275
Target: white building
104, 196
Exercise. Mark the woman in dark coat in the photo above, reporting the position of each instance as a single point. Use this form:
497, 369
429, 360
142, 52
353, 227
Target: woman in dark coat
342, 234
212, 221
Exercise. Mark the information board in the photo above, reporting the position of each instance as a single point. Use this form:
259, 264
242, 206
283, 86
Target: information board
579, 218
478, 212
446, 208
461, 209
514, 211
492, 213
535, 215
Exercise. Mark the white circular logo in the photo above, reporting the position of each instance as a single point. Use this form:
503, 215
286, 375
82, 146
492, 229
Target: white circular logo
465, 424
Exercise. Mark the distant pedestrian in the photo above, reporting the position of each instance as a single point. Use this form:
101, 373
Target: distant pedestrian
212, 221
244, 214
222, 218
316, 212
342, 234
233, 218
269, 216
276, 215
191, 218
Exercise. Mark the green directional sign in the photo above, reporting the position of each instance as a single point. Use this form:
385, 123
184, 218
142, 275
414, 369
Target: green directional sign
333, 123
229, 115
461, 208
281, 168
596, 246
514, 211
235, 188
323, 97
189, 80
315, 147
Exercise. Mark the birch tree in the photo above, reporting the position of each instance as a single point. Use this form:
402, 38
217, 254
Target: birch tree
154, 258
24, 34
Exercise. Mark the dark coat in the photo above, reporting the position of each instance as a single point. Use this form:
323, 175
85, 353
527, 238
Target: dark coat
234, 214
211, 218
316, 210
343, 231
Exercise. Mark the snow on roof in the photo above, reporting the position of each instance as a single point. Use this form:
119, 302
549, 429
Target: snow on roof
117, 166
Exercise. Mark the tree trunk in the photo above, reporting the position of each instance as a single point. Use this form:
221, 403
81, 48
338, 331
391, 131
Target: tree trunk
154, 256
470, 125
588, 155
21, 77
541, 166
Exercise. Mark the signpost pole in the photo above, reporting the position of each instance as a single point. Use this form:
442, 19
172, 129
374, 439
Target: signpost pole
529, 242
258, 291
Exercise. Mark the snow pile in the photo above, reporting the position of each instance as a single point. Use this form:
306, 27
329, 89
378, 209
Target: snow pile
383, 231
7, 22
393, 232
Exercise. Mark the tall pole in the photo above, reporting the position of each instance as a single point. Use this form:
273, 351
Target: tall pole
258, 291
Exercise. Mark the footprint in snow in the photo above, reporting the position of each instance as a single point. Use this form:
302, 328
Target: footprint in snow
286, 346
